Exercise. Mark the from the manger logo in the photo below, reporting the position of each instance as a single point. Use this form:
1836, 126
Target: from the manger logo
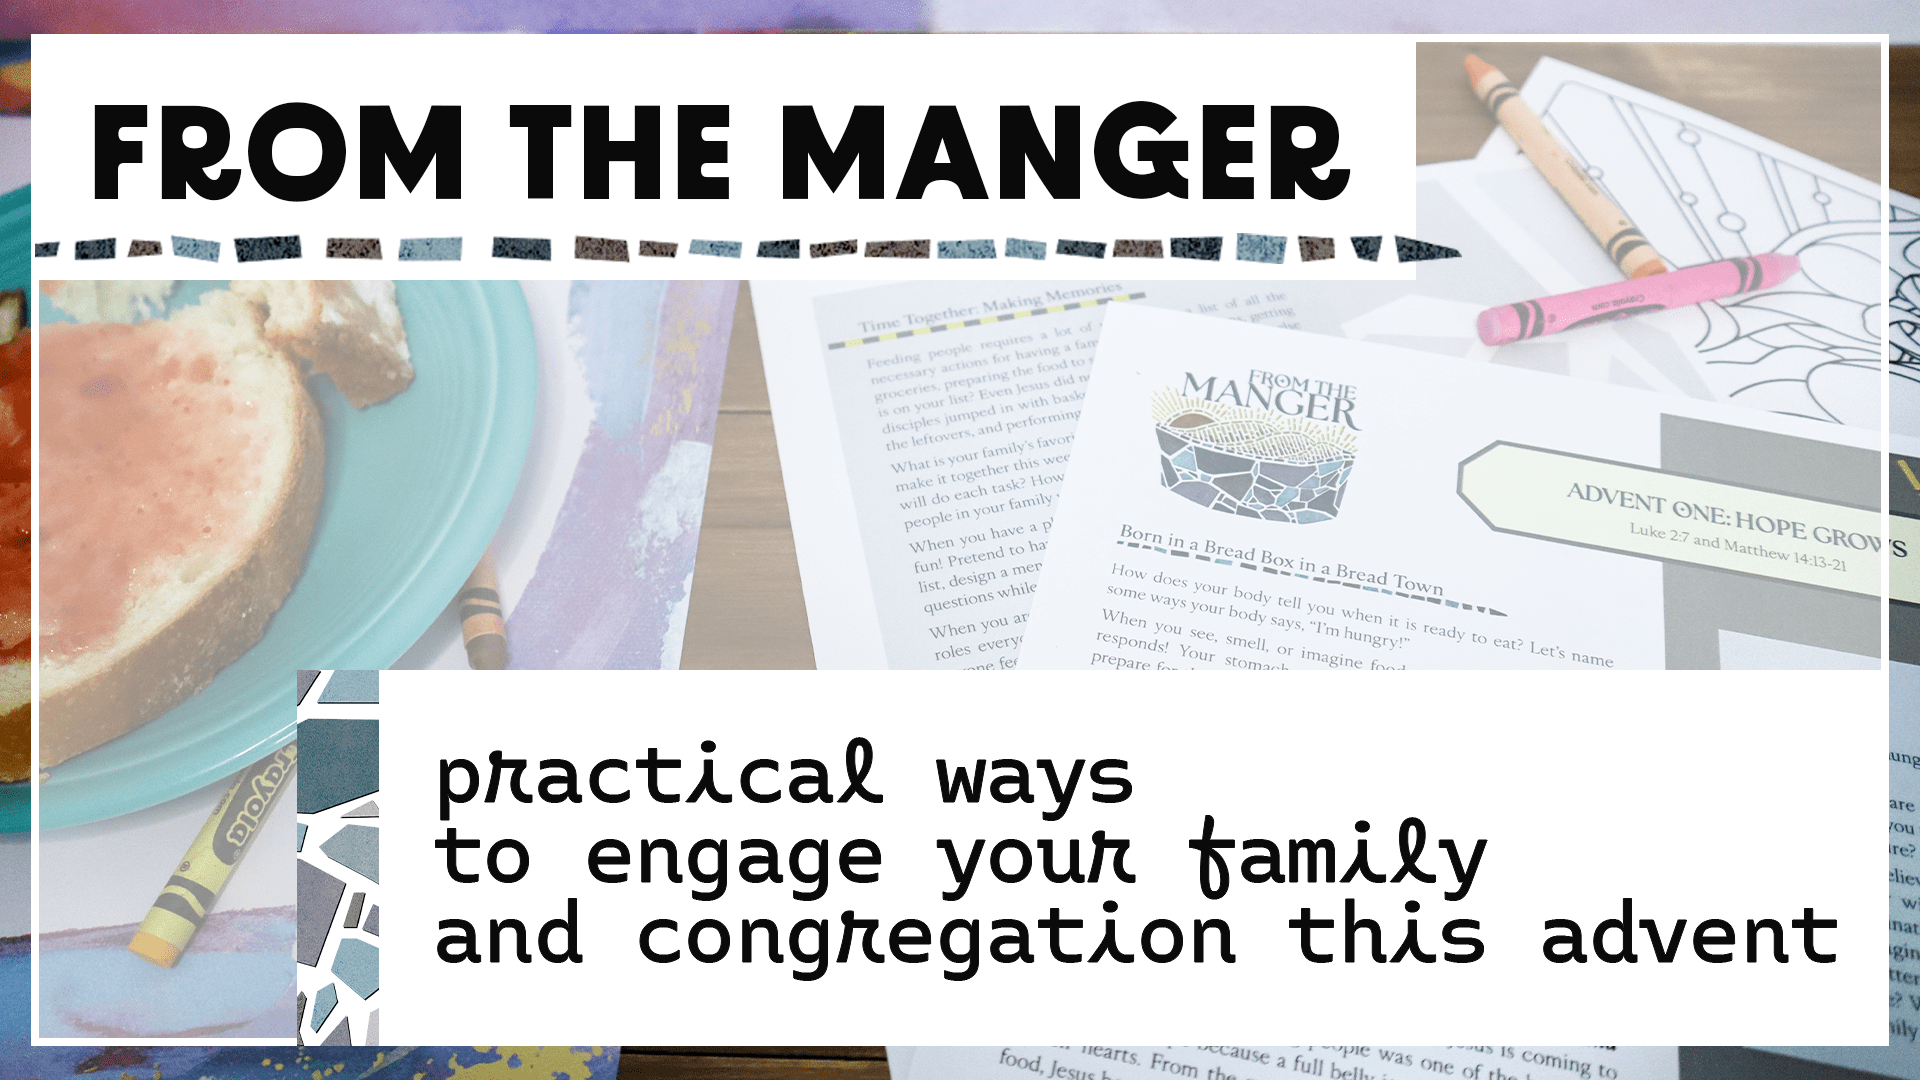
1277, 448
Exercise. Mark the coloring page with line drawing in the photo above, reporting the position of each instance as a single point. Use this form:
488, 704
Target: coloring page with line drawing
1703, 190
1903, 313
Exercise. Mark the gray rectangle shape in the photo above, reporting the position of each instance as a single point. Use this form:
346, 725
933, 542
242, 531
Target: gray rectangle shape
1025, 249
1197, 247
966, 249
899, 249
186, 247
266, 248
1259, 247
538, 249
431, 249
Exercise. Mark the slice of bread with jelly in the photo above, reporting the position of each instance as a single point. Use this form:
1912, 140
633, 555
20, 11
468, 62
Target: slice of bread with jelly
350, 331
181, 472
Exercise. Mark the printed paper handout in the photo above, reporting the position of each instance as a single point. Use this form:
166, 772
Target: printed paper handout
1276, 1062
1246, 497
839, 382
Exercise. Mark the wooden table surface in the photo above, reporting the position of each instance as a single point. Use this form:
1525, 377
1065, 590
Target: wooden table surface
1823, 100
747, 611
753, 1062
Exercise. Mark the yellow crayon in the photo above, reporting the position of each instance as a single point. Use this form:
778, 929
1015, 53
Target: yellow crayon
196, 883
1619, 237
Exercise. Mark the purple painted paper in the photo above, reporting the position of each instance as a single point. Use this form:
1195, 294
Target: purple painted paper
610, 590
454, 16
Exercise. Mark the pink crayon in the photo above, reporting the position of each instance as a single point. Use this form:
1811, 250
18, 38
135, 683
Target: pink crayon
1675, 288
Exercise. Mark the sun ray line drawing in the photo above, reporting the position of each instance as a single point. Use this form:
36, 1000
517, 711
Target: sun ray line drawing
1703, 191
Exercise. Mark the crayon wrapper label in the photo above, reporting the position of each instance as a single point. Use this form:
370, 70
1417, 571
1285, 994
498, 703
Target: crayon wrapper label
252, 797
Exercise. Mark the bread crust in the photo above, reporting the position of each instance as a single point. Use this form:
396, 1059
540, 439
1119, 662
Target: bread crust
179, 659
13, 744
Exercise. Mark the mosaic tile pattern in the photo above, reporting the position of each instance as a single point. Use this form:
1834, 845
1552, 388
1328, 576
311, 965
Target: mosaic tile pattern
352, 688
318, 895
899, 249
604, 249
1258, 247
338, 950
1198, 247
339, 762
357, 964
967, 249
1410, 250
1025, 249
431, 249
187, 247
523, 247
349, 247
356, 847
323, 1003
266, 248
1248, 247
1251, 463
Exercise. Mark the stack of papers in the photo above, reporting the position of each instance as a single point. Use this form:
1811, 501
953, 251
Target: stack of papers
968, 499
1313, 475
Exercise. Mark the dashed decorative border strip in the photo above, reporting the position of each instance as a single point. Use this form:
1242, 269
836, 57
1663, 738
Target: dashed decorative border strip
986, 320
261, 248
1248, 247
1179, 554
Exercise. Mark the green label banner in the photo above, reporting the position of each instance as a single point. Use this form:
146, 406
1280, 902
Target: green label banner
1635, 510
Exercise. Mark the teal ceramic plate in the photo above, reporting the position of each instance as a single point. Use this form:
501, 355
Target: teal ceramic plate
416, 487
